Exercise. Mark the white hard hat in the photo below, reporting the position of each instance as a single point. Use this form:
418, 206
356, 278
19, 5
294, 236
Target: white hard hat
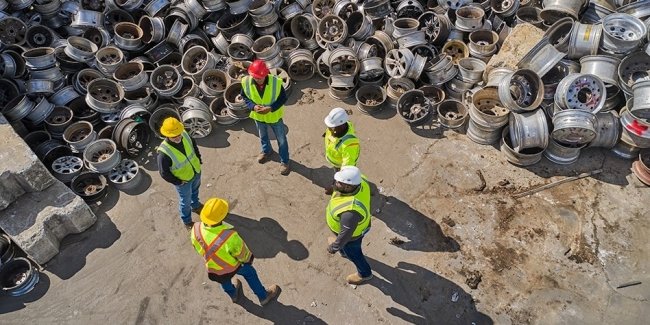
336, 117
349, 175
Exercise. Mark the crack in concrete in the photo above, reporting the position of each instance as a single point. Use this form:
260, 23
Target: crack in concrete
420, 160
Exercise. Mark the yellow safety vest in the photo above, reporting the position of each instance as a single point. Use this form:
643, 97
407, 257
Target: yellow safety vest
221, 247
271, 93
183, 166
343, 151
359, 202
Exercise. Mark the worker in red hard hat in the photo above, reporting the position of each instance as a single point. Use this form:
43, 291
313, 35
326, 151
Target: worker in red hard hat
265, 96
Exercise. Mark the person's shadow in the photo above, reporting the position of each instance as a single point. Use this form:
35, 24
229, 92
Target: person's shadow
428, 297
422, 232
322, 176
279, 313
266, 238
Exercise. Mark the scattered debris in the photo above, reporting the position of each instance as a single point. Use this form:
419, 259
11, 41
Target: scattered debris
581, 251
503, 258
396, 241
449, 221
454, 297
473, 279
556, 183
628, 284
309, 96
483, 184
314, 304
503, 183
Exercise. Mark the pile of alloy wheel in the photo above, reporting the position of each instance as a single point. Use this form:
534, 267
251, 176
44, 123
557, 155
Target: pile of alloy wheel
82, 80
18, 275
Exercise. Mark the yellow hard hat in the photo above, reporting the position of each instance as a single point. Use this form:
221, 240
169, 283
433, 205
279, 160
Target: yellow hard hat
171, 127
214, 211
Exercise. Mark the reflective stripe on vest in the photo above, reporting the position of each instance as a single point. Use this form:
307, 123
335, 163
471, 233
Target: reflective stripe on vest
335, 154
183, 166
267, 98
211, 251
360, 203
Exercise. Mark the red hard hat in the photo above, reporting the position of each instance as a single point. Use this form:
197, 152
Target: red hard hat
258, 69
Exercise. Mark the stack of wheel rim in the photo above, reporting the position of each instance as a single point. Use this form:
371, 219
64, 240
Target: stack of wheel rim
86, 73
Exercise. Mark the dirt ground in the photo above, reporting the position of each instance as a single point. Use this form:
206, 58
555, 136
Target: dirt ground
448, 244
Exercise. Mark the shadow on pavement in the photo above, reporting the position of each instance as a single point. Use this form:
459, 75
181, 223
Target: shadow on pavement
75, 248
422, 232
266, 238
143, 186
428, 297
10, 304
279, 313
218, 138
615, 169
321, 176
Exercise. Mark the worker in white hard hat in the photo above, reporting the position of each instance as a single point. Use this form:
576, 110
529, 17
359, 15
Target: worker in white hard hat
348, 217
341, 144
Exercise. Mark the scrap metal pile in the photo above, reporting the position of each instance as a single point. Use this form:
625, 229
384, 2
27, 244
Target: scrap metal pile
88, 82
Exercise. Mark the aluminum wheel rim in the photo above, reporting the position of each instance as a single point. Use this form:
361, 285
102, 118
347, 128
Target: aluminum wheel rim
197, 122
101, 156
126, 175
66, 168
397, 62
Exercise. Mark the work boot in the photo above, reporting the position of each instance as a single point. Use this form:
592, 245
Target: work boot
189, 225
263, 157
271, 294
237, 285
284, 169
198, 210
329, 190
356, 279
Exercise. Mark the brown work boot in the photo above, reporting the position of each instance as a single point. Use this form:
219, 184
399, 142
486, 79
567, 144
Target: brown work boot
356, 279
263, 157
271, 294
237, 285
284, 169
329, 190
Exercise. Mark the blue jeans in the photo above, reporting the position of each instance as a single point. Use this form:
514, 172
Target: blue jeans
280, 135
352, 251
249, 273
188, 194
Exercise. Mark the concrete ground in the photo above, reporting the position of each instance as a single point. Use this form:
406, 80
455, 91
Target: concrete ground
448, 245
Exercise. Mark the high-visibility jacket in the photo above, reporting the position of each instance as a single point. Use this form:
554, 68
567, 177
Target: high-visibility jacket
221, 247
343, 151
184, 166
271, 93
360, 202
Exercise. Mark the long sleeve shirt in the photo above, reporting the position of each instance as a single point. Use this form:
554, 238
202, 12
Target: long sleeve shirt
165, 163
349, 222
279, 102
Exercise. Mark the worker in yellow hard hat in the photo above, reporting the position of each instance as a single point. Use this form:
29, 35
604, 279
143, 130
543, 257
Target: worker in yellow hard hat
226, 253
179, 163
